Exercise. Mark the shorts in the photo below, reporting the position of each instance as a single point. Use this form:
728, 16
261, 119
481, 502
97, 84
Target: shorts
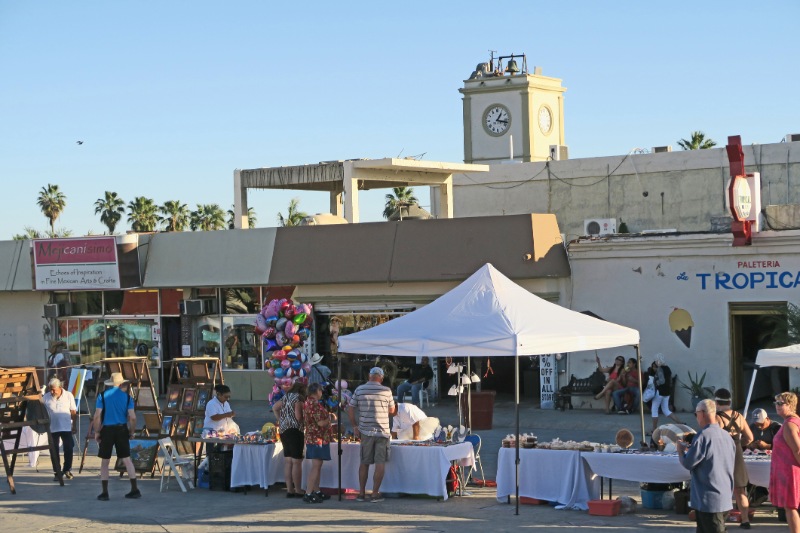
318, 451
293, 442
374, 450
114, 437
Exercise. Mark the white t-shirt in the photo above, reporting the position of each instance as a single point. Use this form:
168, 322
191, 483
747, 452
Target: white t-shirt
215, 407
59, 410
407, 415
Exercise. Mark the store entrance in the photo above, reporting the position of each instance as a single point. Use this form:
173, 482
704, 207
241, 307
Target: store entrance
753, 326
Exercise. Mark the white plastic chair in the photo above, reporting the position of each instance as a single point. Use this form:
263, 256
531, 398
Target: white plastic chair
181, 467
423, 397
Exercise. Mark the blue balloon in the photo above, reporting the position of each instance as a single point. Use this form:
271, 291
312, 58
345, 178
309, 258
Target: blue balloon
279, 372
296, 365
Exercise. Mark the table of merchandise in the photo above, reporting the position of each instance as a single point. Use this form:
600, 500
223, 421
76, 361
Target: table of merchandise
658, 467
551, 475
254, 465
412, 469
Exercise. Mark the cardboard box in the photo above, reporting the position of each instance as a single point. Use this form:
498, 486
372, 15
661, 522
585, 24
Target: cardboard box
531, 501
604, 507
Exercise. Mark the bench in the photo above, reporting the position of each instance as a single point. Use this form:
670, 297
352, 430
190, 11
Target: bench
579, 387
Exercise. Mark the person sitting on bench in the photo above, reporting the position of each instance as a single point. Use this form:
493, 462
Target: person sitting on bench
420, 374
630, 381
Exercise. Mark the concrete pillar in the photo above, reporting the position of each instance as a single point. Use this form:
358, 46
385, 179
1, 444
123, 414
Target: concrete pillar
337, 203
446, 198
240, 219
350, 193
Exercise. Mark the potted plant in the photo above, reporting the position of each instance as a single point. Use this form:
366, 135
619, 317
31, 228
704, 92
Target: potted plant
696, 388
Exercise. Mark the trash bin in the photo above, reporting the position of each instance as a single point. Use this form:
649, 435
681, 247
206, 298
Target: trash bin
219, 469
482, 409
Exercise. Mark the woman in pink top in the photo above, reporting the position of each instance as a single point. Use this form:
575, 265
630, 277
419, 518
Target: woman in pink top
784, 475
612, 384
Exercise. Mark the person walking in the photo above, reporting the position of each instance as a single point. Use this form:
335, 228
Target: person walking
318, 435
663, 382
709, 459
374, 403
114, 425
60, 405
784, 475
289, 412
736, 426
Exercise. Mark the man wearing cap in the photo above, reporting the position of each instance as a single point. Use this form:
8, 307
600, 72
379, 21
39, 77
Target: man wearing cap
763, 429
319, 373
709, 459
374, 403
114, 425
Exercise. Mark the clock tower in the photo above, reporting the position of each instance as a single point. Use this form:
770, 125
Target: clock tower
507, 110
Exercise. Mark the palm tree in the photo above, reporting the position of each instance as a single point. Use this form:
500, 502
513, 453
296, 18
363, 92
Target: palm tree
142, 214
52, 202
176, 215
59, 233
293, 217
697, 142
110, 208
207, 217
401, 197
251, 218
29, 234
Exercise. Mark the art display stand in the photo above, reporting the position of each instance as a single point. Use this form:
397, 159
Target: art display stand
190, 387
136, 370
20, 407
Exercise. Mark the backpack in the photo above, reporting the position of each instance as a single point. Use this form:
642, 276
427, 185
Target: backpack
451, 481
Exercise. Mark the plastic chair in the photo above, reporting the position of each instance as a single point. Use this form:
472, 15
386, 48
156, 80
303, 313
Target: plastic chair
181, 467
423, 395
475, 440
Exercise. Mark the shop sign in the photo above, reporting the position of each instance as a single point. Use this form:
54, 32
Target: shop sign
76, 264
547, 380
742, 199
753, 274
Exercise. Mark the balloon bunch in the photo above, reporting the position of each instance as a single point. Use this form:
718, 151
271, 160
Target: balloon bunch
342, 396
284, 327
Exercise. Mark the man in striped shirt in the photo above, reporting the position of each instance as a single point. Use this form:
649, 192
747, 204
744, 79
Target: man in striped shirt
374, 403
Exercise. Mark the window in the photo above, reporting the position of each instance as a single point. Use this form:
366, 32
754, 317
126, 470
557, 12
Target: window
87, 303
207, 336
242, 345
92, 339
241, 300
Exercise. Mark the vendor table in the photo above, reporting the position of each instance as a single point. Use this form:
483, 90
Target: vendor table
410, 470
659, 467
252, 465
550, 475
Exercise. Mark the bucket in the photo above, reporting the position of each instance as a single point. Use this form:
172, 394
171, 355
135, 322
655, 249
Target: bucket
653, 499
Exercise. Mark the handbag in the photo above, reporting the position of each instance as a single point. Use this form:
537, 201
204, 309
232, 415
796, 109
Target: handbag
650, 391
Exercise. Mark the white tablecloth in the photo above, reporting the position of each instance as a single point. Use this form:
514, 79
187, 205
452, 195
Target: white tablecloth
29, 438
656, 468
253, 464
410, 470
551, 475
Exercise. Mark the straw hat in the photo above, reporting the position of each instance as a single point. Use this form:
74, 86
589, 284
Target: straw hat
116, 380
624, 438
55, 345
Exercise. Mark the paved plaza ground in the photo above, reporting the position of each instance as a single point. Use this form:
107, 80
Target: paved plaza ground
41, 505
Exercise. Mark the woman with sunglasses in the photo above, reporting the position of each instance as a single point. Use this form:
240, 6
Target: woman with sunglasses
612, 383
784, 476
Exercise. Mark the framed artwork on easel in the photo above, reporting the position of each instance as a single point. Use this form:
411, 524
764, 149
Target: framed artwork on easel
181, 426
188, 399
145, 399
143, 455
173, 398
166, 426
203, 395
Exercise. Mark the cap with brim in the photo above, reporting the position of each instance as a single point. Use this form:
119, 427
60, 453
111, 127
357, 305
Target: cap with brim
759, 415
376, 370
116, 380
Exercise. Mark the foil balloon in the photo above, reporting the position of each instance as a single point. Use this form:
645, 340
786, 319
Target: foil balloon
286, 364
271, 321
280, 355
303, 333
280, 325
261, 324
280, 338
290, 329
296, 365
287, 382
269, 332
341, 384
283, 306
290, 311
270, 345
295, 340
272, 308
308, 322
307, 367
305, 308
279, 372
299, 318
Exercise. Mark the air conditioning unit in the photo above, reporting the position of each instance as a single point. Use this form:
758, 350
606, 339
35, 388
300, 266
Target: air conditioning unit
661, 149
599, 226
559, 152
210, 306
57, 310
792, 137
191, 307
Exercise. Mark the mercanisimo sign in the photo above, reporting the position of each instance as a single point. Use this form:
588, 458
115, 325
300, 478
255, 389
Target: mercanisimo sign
81, 263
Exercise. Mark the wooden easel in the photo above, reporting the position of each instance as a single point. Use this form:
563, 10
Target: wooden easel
137, 371
18, 387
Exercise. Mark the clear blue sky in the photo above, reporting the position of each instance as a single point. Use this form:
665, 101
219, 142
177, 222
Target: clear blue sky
170, 97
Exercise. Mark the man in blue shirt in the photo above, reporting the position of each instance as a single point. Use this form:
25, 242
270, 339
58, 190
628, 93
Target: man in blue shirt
114, 425
709, 458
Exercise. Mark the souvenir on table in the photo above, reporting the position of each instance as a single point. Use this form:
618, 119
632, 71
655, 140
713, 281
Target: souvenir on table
181, 426
173, 397
202, 399
188, 400
166, 426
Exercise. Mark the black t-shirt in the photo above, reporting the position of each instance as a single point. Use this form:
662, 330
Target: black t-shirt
420, 372
766, 434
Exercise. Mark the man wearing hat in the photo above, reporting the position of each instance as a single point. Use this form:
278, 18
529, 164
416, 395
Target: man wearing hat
763, 429
374, 403
114, 425
319, 373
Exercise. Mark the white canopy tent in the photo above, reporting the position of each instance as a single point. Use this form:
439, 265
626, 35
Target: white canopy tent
788, 356
488, 315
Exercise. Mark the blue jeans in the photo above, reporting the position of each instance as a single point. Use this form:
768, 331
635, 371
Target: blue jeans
405, 387
620, 394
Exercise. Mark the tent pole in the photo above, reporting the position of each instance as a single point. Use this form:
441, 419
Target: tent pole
339, 419
750, 392
469, 398
641, 403
516, 402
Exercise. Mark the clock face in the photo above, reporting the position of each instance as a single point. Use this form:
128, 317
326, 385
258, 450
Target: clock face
496, 120
545, 119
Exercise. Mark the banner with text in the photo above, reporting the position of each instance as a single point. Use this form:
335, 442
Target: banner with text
547, 379
76, 264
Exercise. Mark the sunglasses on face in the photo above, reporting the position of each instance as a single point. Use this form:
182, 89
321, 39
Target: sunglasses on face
780, 403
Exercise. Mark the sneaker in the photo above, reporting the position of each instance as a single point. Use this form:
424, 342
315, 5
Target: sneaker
55, 477
134, 494
103, 497
745, 525
68, 475
376, 498
311, 498
362, 498
321, 495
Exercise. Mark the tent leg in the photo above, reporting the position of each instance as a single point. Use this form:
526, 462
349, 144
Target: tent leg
750, 392
641, 403
339, 420
469, 399
516, 460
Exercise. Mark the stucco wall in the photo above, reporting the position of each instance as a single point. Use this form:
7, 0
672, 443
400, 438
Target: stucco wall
21, 339
684, 189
